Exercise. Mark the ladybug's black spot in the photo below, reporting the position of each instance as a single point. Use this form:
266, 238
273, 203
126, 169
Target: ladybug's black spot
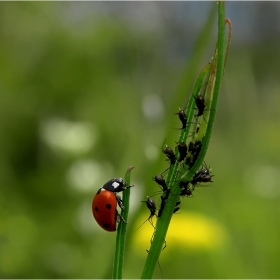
96, 208
106, 225
108, 206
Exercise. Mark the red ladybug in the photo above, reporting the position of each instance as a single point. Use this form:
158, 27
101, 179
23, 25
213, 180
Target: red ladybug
104, 204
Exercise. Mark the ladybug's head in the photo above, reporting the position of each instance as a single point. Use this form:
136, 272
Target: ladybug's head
115, 185
118, 184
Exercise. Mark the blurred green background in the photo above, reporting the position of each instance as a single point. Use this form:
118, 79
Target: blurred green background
88, 89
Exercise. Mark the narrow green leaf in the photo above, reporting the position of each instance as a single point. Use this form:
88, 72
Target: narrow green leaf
121, 231
211, 76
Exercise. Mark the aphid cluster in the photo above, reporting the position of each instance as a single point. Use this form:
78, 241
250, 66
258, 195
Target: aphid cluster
203, 175
193, 152
200, 107
185, 155
183, 150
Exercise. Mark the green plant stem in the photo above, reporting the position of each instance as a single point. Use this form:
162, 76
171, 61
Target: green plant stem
217, 70
189, 114
121, 231
188, 74
213, 89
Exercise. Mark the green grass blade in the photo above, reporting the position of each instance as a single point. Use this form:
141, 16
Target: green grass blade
121, 231
215, 70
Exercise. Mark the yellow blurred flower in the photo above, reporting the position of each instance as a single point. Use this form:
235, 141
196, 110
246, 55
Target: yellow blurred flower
187, 229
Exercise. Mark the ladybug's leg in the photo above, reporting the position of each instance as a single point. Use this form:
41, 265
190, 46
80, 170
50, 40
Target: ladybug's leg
122, 188
119, 200
119, 217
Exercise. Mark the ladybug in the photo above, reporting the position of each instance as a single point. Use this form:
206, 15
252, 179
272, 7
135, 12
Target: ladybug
104, 204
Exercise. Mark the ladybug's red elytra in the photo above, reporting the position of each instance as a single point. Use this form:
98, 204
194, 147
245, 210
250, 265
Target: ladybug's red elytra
104, 204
